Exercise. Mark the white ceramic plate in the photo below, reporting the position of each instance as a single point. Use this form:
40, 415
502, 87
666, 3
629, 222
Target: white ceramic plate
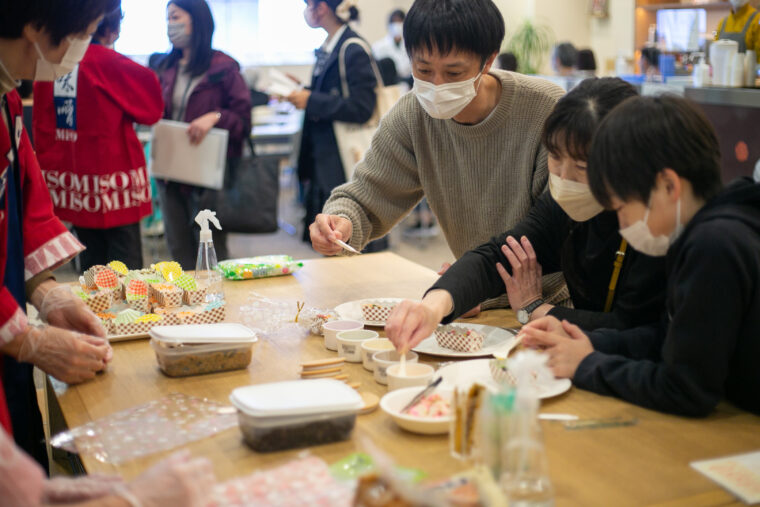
466, 373
495, 340
353, 310
394, 401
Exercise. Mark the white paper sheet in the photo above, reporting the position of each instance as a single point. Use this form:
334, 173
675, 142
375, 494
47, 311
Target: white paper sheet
174, 158
280, 84
739, 474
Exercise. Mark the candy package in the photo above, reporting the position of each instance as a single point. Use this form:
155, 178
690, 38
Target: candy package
259, 267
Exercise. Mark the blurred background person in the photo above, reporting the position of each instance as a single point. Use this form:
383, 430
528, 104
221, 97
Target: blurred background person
39, 40
391, 47
507, 61
585, 64
320, 168
743, 26
650, 63
564, 58
84, 131
203, 87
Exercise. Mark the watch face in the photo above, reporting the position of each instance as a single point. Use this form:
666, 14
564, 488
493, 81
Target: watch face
522, 316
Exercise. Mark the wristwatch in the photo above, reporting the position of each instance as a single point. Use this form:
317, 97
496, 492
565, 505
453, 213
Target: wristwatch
523, 314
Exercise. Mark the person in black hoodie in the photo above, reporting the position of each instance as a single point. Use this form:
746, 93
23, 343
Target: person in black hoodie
566, 231
655, 161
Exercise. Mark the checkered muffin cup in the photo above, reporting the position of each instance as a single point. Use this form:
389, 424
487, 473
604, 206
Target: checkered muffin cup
206, 317
134, 328
377, 311
459, 339
194, 297
500, 373
100, 301
141, 305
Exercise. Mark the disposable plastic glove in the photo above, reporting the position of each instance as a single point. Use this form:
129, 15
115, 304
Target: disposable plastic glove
178, 480
21, 478
68, 356
62, 308
68, 490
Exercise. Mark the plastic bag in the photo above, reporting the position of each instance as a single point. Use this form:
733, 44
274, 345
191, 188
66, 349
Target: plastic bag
259, 267
156, 426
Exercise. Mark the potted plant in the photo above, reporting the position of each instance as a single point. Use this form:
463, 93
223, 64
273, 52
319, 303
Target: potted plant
531, 44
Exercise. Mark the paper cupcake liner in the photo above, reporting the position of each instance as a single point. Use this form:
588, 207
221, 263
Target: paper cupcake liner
100, 302
378, 313
207, 317
194, 297
134, 328
500, 375
454, 340
170, 299
141, 305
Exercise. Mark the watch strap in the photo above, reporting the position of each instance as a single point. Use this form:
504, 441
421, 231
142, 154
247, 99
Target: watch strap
532, 306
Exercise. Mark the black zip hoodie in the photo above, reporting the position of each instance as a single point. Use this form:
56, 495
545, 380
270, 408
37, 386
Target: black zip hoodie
707, 347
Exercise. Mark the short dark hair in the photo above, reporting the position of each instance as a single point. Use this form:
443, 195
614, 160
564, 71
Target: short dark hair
585, 60
651, 55
508, 61
200, 40
570, 127
645, 135
60, 18
397, 14
474, 26
566, 54
110, 24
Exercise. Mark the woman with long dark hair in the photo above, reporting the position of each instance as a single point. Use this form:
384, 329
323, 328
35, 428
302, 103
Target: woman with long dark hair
204, 88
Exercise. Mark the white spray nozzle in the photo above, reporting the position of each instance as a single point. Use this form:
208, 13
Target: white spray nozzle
203, 218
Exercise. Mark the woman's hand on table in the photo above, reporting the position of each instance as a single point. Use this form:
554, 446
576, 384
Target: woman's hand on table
68, 356
326, 229
411, 322
564, 342
68, 490
524, 284
178, 480
60, 307
201, 126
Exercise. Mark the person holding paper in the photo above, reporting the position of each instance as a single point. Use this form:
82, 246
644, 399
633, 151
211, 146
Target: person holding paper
93, 163
203, 87
320, 168
655, 161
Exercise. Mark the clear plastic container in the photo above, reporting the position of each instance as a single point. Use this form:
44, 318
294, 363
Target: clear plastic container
295, 414
182, 351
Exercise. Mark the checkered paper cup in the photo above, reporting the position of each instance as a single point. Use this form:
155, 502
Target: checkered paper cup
459, 339
100, 301
207, 317
194, 297
377, 311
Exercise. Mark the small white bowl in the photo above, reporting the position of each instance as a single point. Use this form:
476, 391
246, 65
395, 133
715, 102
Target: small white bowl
394, 401
369, 348
387, 358
332, 328
349, 343
416, 375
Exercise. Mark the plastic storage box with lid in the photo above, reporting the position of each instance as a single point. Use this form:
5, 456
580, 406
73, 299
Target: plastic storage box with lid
202, 348
293, 414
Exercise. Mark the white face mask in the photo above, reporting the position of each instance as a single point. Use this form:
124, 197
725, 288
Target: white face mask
48, 71
641, 238
738, 4
574, 198
445, 101
396, 30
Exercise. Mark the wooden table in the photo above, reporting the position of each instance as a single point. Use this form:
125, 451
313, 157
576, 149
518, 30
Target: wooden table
643, 464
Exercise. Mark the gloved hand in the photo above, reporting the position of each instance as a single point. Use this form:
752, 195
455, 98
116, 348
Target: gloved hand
21, 478
79, 489
62, 308
178, 480
68, 356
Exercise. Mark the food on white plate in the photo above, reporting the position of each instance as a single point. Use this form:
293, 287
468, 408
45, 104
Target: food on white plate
431, 406
377, 311
459, 338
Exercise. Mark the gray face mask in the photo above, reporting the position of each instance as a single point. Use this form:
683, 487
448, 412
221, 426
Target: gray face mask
177, 35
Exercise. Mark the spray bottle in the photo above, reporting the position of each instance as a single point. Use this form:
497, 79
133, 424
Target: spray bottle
206, 273
525, 472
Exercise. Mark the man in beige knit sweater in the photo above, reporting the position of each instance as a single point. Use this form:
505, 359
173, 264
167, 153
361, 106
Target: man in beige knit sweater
467, 137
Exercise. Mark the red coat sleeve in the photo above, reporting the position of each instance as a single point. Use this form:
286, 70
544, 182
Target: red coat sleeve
47, 242
134, 88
